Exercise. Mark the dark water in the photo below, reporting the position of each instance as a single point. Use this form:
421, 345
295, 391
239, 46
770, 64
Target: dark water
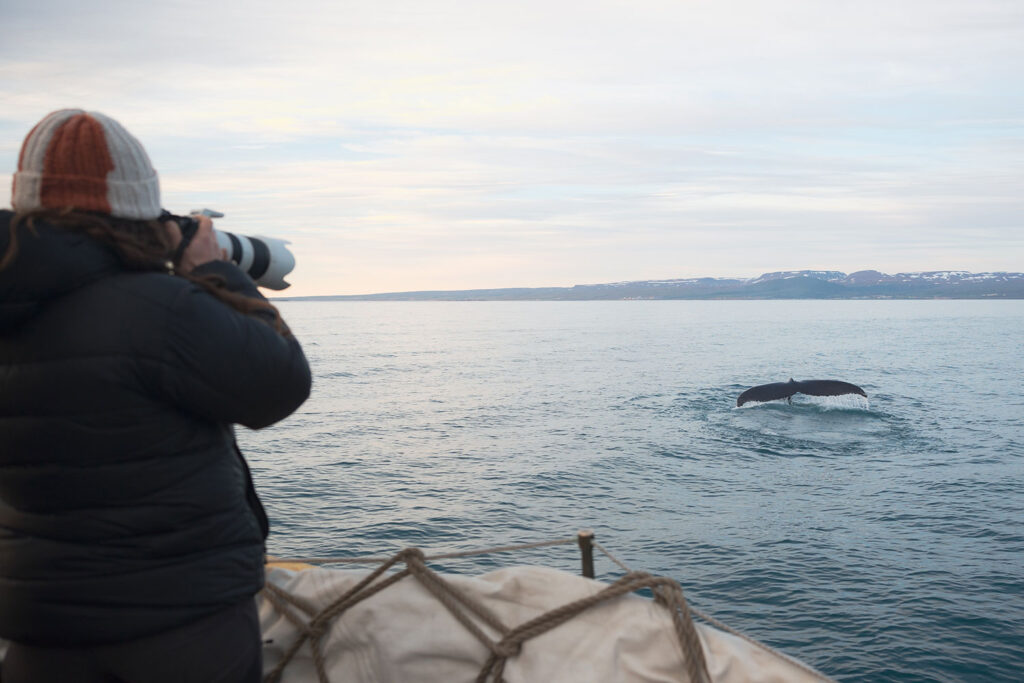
878, 542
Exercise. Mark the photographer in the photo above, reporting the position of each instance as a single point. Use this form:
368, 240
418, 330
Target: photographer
131, 537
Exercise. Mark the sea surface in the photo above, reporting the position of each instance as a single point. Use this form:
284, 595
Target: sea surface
878, 540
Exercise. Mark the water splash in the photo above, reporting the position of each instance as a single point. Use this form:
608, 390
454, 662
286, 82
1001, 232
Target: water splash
844, 402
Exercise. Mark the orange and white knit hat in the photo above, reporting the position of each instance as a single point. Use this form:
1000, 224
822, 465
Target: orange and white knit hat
85, 161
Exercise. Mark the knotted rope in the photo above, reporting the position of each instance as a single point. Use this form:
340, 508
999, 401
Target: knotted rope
728, 629
667, 593
319, 623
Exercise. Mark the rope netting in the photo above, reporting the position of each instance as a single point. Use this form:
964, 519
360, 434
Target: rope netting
313, 623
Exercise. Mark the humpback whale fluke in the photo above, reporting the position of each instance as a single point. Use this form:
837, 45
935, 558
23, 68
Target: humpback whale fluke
811, 387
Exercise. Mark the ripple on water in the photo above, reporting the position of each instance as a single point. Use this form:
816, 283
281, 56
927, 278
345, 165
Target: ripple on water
879, 543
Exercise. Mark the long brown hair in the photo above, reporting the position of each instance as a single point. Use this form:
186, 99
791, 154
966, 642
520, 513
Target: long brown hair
142, 246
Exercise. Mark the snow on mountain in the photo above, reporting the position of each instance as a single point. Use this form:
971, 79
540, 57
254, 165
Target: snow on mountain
826, 275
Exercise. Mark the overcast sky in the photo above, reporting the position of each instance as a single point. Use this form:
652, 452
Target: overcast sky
443, 144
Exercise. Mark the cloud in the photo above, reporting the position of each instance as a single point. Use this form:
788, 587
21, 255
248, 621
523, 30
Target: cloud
452, 144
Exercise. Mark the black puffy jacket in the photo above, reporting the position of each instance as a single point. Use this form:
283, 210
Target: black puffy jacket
125, 507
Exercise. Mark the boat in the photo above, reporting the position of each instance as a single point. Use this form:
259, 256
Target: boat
403, 621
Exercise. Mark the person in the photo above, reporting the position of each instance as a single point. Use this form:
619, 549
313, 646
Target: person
131, 536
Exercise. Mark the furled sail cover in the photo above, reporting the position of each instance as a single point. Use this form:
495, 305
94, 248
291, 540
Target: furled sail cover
403, 634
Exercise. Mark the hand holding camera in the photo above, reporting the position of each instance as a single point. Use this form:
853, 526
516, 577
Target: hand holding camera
265, 259
198, 248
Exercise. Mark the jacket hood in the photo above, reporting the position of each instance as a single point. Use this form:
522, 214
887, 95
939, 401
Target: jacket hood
49, 263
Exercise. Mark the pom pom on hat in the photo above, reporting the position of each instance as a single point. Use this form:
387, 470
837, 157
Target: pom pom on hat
85, 161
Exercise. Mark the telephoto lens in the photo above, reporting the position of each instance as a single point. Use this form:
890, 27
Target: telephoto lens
266, 259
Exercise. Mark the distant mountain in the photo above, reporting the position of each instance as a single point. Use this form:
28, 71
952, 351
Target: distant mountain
791, 284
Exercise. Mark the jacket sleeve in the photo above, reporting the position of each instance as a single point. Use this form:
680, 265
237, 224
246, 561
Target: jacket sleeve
227, 366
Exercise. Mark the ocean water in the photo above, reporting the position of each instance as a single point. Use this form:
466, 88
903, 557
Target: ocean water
878, 540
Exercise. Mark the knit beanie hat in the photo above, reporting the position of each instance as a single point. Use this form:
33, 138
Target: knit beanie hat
85, 161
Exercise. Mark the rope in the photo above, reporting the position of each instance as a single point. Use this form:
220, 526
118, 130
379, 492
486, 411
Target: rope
609, 555
728, 629
318, 625
756, 643
431, 558
667, 593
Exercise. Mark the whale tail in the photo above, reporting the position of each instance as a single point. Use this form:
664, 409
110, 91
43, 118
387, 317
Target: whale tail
811, 387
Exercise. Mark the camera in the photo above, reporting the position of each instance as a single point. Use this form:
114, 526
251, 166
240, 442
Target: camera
265, 259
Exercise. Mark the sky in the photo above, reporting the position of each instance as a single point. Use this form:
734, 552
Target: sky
449, 144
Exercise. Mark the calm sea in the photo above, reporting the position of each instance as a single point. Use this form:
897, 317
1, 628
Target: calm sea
878, 542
